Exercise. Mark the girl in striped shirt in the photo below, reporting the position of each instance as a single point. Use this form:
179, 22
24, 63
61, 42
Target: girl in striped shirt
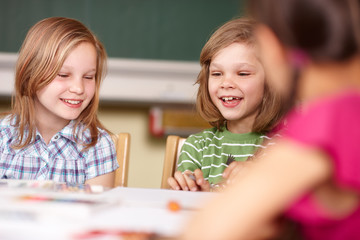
235, 99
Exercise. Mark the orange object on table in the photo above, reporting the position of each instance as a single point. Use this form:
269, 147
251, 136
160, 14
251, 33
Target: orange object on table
174, 206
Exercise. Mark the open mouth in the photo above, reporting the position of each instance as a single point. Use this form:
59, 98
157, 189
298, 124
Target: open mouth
230, 99
73, 102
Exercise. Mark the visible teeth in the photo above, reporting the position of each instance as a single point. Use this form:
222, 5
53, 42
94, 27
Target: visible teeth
72, 101
229, 98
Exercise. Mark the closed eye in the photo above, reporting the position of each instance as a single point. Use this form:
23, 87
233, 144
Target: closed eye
89, 77
244, 74
63, 75
216, 74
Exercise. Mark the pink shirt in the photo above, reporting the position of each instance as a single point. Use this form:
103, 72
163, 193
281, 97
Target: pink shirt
331, 124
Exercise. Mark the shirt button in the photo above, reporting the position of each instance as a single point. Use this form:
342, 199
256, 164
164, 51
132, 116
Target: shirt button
56, 137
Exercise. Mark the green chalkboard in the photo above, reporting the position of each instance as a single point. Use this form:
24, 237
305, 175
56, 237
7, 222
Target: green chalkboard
146, 29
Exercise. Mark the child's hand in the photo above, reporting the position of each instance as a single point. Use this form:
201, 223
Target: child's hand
189, 181
234, 169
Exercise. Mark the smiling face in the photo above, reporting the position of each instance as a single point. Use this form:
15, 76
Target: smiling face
65, 97
236, 85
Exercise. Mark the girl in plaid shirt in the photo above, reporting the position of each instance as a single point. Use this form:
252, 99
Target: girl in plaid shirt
52, 131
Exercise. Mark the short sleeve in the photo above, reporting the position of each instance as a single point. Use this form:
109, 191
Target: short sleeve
332, 125
190, 156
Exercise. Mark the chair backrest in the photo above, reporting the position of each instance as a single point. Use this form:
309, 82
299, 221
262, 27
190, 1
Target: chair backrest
122, 146
172, 151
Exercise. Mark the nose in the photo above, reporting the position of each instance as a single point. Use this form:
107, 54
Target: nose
227, 82
76, 85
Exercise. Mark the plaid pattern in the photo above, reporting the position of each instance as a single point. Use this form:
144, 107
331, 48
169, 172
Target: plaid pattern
62, 160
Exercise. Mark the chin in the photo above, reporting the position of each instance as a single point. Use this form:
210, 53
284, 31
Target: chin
232, 118
73, 117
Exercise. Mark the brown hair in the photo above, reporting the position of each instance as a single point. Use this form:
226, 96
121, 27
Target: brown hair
239, 30
323, 30
42, 54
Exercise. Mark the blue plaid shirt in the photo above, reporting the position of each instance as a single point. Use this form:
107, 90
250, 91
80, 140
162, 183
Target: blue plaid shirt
62, 160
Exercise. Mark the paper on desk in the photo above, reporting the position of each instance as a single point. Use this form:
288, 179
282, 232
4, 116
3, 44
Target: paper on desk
158, 197
42, 200
147, 210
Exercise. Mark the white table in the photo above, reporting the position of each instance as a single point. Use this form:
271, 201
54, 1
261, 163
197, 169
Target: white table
132, 209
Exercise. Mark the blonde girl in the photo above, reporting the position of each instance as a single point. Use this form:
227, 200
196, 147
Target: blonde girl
52, 131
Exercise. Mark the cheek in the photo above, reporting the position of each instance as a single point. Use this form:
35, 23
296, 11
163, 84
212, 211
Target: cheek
254, 90
212, 89
46, 91
257, 93
90, 89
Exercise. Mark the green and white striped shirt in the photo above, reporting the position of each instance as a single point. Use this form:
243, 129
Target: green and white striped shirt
210, 149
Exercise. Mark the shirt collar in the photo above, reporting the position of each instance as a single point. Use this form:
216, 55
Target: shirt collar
68, 132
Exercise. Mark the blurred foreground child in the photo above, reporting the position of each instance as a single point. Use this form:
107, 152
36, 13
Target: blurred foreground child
310, 48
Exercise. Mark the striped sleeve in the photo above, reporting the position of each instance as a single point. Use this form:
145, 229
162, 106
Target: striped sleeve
191, 154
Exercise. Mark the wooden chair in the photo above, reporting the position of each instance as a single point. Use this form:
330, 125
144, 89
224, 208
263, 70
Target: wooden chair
172, 151
122, 146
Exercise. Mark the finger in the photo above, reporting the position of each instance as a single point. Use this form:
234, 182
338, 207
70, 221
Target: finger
181, 180
205, 186
241, 169
201, 182
173, 183
229, 169
191, 181
189, 174
235, 171
199, 176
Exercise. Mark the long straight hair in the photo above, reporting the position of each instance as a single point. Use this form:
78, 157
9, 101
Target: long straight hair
42, 54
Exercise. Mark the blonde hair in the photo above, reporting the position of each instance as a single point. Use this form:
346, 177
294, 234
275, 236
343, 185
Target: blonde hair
239, 30
42, 54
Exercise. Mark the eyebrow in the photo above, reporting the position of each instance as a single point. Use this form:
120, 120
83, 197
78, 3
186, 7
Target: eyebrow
92, 70
240, 65
70, 68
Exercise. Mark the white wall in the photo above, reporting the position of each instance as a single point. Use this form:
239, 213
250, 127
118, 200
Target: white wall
130, 80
